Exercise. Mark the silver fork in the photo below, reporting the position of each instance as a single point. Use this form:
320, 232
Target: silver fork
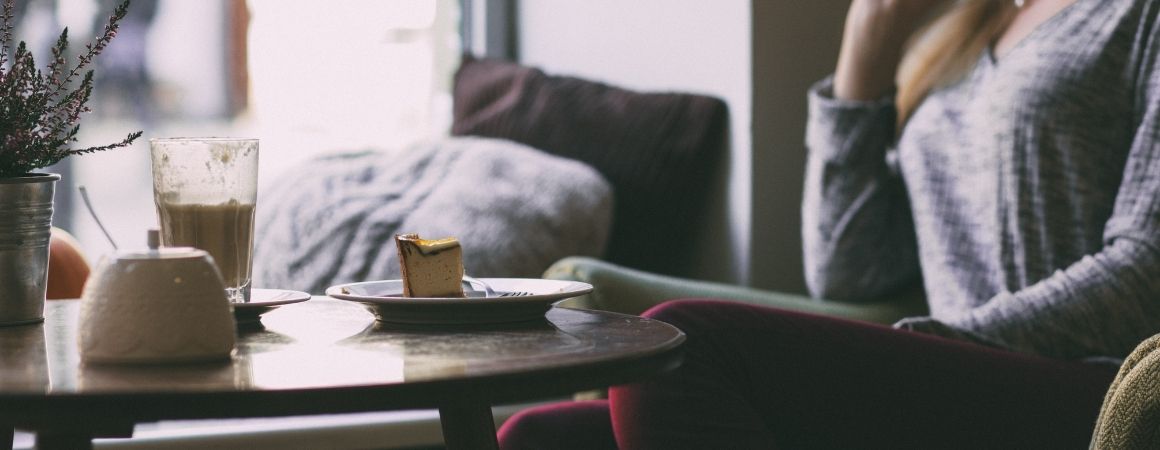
489, 292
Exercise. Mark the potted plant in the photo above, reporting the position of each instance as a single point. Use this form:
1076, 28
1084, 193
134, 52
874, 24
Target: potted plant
40, 111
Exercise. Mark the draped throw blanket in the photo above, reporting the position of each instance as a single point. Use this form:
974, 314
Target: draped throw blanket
515, 210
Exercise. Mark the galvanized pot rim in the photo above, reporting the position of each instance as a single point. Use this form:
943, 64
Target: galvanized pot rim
31, 178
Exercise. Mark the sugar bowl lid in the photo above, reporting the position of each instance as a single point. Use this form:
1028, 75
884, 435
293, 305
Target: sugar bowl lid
156, 251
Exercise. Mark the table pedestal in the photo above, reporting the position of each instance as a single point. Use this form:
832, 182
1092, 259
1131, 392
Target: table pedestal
73, 437
49, 441
468, 425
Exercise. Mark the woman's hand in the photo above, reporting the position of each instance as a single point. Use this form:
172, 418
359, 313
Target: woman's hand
928, 325
872, 44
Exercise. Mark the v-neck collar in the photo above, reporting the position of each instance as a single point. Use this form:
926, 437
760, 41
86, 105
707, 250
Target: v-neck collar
1045, 26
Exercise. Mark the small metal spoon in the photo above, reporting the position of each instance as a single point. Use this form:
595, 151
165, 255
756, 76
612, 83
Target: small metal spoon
92, 212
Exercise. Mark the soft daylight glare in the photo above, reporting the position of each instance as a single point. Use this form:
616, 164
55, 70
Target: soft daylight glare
359, 74
358, 367
322, 351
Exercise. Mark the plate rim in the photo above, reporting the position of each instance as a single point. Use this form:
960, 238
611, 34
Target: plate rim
299, 298
582, 289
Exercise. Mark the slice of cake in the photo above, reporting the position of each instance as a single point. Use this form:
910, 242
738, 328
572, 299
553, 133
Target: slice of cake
431, 267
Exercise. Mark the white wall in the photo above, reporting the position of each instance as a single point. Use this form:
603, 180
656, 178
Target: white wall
695, 46
795, 43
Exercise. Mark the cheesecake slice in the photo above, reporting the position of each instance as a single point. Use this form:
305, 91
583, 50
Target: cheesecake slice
431, 267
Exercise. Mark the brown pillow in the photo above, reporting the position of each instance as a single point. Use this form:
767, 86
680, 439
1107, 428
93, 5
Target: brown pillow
657, 150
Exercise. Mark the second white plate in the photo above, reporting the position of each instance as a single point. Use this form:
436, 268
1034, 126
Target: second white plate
519, 299
265, 300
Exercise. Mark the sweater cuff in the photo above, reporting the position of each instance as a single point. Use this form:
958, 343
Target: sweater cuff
990, 321
842, 131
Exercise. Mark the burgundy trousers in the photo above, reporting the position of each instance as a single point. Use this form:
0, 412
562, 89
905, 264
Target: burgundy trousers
764, 378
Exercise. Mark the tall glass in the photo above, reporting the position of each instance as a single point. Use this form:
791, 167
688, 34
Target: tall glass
205, 190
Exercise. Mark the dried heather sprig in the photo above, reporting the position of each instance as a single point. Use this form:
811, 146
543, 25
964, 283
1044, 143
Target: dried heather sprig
40, 111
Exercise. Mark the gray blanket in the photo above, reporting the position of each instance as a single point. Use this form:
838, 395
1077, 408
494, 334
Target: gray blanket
514, 209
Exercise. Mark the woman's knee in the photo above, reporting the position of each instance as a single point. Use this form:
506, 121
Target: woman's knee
695, 315
567, 425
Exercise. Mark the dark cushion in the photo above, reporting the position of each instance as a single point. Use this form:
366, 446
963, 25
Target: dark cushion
657, 150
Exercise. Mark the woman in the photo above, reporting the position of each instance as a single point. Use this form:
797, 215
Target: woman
1015, 170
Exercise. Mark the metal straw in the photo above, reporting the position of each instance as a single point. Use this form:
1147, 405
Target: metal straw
92, 212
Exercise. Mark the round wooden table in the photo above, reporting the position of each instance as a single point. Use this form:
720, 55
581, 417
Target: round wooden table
325, 356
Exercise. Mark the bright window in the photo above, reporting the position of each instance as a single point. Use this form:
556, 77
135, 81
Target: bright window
305, 77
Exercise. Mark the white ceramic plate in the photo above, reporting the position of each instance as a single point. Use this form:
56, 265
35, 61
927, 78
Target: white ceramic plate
265, 300
519, 299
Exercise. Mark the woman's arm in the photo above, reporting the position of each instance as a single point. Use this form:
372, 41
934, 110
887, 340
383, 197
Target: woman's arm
858, 234
1103, 305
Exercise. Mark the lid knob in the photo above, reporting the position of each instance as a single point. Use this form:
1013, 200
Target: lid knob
154, 239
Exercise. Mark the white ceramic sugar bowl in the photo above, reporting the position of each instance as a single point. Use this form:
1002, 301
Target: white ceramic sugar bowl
161, 305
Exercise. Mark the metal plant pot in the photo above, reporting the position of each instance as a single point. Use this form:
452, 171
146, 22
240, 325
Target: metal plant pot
25, 226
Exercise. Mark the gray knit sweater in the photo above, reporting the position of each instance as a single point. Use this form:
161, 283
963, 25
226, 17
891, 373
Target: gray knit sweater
1026, 197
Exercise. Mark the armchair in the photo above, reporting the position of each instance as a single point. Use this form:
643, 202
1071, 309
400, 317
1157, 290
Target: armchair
630, 291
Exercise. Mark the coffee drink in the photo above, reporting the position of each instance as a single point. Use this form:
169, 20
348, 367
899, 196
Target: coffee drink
225, 231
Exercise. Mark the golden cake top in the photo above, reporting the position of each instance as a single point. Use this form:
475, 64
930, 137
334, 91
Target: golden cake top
428, 246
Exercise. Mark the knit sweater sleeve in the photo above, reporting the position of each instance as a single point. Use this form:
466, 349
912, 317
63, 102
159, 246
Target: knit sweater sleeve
857, 232
1107, 302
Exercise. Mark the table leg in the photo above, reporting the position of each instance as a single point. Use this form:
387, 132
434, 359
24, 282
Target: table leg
81, 437
63, 441
468, 425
